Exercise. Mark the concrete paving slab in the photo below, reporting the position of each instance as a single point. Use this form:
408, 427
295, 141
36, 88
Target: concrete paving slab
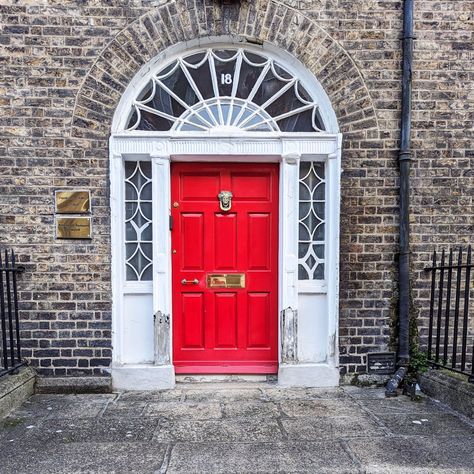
276, 393
329, 393
125, 409
254, 428
399, 405
64, 406
330, 427
155, 396
363, 393
415, 454
229, 395
259, 408
288, 457
424, 424
219, 386
320, 407
71, 458
104, 430
21, 433
241, 429
184, 410
80, 430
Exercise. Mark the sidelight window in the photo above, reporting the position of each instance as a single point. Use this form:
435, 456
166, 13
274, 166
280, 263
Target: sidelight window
138, 219
311, 251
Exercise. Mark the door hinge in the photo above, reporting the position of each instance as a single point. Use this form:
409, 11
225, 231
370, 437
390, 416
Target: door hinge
171, 222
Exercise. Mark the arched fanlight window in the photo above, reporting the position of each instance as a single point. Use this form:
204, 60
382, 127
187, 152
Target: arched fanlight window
225, 90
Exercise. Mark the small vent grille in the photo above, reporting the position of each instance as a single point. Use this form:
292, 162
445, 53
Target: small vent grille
381, 363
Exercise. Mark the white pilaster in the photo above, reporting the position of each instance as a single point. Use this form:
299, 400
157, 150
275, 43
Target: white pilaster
117, 250
162, 376
333, 199
160, 165
289, 175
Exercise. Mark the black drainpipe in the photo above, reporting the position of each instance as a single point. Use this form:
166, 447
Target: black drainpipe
404, 158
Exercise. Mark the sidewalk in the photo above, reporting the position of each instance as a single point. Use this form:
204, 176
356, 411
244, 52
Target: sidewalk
235, 428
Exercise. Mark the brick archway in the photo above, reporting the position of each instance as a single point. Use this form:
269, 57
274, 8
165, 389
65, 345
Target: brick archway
261, 21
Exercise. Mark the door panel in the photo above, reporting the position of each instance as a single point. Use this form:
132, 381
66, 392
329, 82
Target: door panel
226, 320
259, 229
250, 186
225, 329
199, 187
192, 317
258, 316
225, 250
193, 248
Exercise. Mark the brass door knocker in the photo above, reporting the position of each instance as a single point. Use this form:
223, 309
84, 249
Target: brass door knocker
225, 200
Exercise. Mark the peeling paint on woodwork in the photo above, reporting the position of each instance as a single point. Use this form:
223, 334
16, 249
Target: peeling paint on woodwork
332, 345
289, 336
162, 338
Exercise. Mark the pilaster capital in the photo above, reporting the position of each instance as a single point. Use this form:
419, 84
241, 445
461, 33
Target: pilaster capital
160, 151
291, 158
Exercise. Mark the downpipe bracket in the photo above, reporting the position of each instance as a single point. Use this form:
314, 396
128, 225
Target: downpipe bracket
404, 156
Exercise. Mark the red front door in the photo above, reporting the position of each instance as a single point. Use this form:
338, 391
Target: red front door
225, 268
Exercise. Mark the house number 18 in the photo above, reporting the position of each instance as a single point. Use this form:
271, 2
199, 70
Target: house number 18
226, 79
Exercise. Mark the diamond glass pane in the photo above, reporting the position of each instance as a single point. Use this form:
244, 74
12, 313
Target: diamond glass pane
225, 89
311, 251
138, 226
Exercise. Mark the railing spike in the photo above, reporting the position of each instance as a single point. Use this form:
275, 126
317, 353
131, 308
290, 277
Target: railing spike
432, 298
467, 283
9, 314
3, 321
456, 308
459, 334
448, 307
440, 305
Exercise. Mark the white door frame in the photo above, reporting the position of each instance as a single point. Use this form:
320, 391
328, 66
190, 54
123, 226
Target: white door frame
287, 149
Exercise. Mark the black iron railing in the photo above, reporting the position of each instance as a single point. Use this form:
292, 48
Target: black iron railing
10, 347
451, 322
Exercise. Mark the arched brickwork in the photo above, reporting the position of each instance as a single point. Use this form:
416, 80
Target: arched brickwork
260, 21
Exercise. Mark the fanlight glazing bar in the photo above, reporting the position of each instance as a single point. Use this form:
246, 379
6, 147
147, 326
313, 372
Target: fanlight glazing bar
225, 89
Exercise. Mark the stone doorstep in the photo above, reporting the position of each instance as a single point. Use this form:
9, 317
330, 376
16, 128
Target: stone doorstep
15, 389
451, 390
102, 384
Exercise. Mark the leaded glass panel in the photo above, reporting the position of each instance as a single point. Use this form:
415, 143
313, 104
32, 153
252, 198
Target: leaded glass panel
227, 89
311, 250
138, 221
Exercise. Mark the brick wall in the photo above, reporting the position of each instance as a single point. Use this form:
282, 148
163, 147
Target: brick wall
443, 124
64, 66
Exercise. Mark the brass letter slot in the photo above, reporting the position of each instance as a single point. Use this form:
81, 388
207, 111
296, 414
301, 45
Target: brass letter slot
226, 280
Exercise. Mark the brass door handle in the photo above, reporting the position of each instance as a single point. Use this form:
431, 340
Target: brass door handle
186, 282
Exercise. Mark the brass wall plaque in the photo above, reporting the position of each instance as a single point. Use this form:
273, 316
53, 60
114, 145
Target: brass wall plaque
72, 202
73, 227
226, 280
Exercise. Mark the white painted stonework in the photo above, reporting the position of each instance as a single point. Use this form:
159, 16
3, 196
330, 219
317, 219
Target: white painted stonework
316, 301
